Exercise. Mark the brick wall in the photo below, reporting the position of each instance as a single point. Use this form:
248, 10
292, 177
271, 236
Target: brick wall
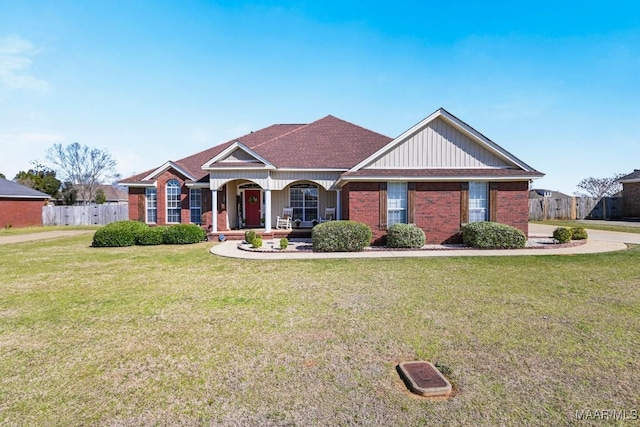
631, 199
20, 212
437, 211
513, 205
363, 205
436, 208
137, 204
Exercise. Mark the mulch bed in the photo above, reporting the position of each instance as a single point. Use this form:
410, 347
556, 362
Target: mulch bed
304, 245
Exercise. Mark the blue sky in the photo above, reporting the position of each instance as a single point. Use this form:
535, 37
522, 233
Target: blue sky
555, 83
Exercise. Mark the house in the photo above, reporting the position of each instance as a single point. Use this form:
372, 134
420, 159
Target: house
631, 194
20, 206
541, 193
113, 195
439, 174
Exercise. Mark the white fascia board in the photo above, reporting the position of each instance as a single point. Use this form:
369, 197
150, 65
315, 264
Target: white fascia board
14, 196
230, 149
167, 166
344, 180
138, 184
468, 130
197, 184
311, 170
629, 181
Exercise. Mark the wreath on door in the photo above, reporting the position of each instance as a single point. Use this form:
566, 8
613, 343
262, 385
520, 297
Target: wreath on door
253, 200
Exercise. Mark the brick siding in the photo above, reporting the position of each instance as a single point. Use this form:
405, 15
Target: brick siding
436, 208
20, 212
631, 199
137, 203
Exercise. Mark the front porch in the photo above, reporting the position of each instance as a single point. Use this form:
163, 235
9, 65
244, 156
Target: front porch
241, 204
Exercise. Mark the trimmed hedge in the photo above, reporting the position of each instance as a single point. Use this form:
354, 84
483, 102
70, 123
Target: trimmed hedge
182, 234
150, 236
405, 236
340, 236
249, 235
284, 243
118, 234
493, 235
256, 242
129, 233
579, 233
562, 234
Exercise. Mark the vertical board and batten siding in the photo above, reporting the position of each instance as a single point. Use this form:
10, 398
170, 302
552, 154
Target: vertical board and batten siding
326, 179
439, 145
84, 215
274, 180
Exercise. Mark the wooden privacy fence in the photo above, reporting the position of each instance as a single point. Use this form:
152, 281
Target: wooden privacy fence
84, 215
545, 208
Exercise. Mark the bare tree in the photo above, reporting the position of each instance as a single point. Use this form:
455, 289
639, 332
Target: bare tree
600, 187
82, 166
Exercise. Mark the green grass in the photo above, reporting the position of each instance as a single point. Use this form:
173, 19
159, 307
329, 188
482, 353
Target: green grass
593, 226
30, 230
168, 335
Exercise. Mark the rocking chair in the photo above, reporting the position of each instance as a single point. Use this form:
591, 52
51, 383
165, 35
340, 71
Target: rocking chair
284, 221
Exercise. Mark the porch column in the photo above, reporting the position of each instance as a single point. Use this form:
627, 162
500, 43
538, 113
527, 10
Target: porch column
338, 207
267, 214
214, 210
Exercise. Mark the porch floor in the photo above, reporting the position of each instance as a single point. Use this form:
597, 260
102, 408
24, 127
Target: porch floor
296, 233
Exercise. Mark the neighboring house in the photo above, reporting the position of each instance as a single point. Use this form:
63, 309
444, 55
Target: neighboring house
20, 206
631, 194
113, 195
539, 193
439, 175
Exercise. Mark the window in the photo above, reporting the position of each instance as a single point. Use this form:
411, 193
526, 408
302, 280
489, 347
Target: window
396, 203
303, 198
195, 205
151, 196
478, 201
173, 201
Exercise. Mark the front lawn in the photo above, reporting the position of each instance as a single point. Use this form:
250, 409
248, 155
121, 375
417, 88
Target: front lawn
171, 335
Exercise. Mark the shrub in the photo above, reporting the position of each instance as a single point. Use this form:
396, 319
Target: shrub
118, 234
257, 242
493, 235
150, 236
249, 235
181, 234
579, 233
562, 234
340, 236
284, 243
405, 236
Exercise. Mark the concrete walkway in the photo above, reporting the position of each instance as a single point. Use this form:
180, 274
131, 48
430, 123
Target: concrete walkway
44, 235
599, 241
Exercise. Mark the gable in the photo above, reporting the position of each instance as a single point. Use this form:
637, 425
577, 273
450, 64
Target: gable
439, 144
239, 155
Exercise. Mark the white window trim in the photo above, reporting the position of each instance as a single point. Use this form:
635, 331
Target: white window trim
166, 198
306, 222
402, 188
192, 207
146, 205
485, 186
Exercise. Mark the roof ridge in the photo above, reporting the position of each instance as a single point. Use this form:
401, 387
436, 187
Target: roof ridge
300, 126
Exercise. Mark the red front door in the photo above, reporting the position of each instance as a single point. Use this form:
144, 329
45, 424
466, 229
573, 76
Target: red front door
252, 205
